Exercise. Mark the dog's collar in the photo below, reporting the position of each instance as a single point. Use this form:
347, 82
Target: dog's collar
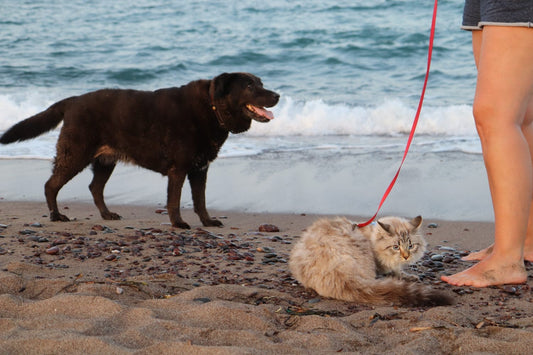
213, 105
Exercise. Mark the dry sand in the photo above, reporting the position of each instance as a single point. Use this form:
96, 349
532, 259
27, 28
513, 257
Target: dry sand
140, 286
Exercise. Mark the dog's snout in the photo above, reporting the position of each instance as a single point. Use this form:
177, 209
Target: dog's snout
275, 96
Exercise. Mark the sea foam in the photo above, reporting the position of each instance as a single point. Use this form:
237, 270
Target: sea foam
308, 117
389, 117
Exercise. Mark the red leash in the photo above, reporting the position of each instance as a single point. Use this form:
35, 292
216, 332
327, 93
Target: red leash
413, 128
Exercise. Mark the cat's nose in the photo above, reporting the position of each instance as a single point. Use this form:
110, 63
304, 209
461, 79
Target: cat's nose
405, 254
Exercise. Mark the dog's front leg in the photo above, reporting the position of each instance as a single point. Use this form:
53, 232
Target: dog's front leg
175, 183
198, 179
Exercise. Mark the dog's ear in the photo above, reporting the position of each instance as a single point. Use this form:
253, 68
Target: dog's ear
222, 85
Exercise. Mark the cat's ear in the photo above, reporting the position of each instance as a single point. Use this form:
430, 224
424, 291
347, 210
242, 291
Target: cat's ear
387, 227
416, 222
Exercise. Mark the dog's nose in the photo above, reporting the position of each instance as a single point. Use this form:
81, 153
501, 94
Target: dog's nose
275, 96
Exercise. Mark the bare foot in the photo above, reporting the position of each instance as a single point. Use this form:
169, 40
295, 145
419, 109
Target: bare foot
481, 254
528, 252
490, 271
478, 255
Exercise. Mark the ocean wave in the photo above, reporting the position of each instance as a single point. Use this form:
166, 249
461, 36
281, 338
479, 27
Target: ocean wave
391, 117
307, 118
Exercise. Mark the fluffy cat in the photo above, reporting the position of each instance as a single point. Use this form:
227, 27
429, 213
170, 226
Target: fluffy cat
339, 260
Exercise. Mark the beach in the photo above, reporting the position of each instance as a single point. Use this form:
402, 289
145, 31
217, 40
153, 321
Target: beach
139, 286
349, 75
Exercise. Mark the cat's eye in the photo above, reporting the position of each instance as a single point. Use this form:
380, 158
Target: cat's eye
396, 247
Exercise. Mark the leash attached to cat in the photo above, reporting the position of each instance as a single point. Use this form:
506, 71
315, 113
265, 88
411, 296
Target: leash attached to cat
415, 121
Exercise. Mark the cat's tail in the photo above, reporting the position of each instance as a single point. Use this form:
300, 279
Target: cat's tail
399, 292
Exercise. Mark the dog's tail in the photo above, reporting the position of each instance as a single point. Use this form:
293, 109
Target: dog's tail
36, 125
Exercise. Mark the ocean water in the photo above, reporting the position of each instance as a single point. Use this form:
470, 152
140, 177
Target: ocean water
344, 69
349, 72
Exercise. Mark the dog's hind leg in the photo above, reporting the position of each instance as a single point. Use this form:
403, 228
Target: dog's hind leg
175, 184
61, 174
72, 156
101, 173
198, 179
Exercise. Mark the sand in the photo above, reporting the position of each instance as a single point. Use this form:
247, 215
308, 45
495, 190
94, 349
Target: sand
139, 286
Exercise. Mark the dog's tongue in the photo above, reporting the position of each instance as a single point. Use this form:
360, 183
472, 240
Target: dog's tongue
262, 112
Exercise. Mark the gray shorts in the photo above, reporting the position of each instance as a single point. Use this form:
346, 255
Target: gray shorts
479, 13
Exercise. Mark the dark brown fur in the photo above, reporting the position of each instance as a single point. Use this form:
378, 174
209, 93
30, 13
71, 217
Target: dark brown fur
175, 131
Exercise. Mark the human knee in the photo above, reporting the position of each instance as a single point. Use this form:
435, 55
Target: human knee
493, 119
484, 117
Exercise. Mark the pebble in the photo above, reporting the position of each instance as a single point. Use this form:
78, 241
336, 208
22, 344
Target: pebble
53, 250
94, 254
233, 255
447, 248
101, 228
111, 257
433, 225
434, 265
271, 255
437, 257
276, 238
3, 225
448, 259
202, 299
509, 289
269, 228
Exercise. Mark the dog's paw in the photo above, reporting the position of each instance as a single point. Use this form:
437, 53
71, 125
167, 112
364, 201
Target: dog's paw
212, 223
111, 216
58, 217
181, 225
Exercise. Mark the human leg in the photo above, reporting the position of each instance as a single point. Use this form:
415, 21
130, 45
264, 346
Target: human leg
527, 129
503, 92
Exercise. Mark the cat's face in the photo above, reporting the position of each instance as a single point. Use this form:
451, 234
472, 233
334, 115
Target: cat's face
397, 241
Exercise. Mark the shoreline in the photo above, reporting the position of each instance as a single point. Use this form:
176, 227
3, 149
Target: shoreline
452, 233
320, 182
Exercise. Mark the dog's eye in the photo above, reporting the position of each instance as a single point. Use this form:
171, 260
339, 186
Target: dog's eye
250, 86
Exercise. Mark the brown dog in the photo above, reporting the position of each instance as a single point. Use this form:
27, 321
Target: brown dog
175, 131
